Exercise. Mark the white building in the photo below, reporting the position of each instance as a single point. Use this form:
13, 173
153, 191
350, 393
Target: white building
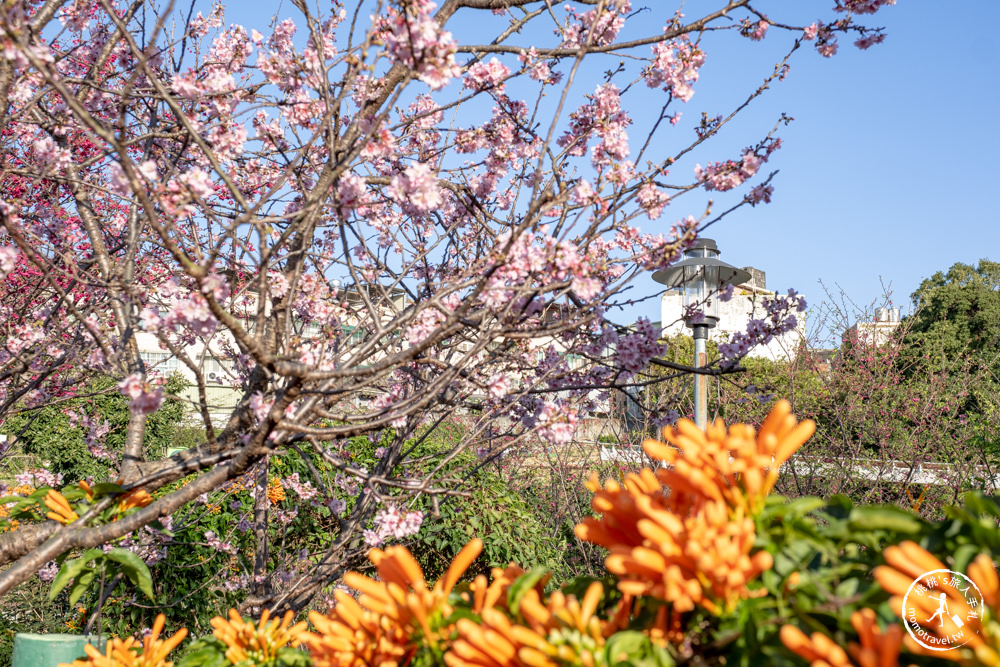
877, 332
745, 304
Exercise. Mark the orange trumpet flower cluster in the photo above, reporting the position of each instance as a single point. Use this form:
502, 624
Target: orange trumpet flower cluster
494, 595
275, 493
124, 652
563, 631
739, 467
685, 533
257, 643
392, 616
134, 498
877, 648
978, 629
61, 510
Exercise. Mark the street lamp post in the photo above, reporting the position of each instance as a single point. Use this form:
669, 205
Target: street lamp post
699, 276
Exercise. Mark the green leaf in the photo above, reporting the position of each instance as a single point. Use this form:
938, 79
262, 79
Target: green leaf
207, 652
523, 584
885, 517
293, 657
20, 500
71, 570
104, 488
631, 647
134, 568
81, 585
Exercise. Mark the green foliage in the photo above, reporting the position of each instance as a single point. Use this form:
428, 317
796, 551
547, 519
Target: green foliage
958, 313
211, 652
46, 435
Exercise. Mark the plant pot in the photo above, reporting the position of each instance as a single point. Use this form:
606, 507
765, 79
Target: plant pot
48, 650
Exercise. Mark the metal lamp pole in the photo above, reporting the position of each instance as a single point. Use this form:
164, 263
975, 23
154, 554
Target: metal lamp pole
700, 332
699, 276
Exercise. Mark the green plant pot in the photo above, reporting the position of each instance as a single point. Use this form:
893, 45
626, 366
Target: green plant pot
48, 650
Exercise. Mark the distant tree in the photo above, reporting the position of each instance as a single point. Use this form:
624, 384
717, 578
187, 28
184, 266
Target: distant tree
958, 313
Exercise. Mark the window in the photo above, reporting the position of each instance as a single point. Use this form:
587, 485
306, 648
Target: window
159, 362
217, 371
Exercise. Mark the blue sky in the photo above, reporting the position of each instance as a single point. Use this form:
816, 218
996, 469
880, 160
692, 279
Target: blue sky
887, 173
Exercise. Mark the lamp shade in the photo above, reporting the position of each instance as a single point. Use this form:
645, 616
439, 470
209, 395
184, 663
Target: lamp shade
700, 275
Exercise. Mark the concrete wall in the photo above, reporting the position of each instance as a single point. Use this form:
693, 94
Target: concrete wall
733, 317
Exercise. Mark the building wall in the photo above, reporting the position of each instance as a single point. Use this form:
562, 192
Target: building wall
734, 316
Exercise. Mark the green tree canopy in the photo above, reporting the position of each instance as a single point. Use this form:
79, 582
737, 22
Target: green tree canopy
958, 313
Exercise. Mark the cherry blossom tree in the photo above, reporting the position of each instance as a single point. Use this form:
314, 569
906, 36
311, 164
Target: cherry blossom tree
377, 215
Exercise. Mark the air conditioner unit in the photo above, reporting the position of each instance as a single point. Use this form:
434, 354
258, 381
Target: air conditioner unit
213, 376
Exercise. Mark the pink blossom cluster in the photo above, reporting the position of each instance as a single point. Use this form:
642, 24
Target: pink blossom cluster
723, 176
727, 175
144, 397
869, 40
499, 385
8, 259
862, 6
538, 70
415, 40
51, 157
392, 522
486, 75
652, 199
119, 182
187, 311
423, 325
416, 188
761, 331
675, 67
531, 255
598, 27
95, 431
304, 489
148, 543
180, 197
278, 60
760, 194
420, 123
215, 543
556, 422
604, 117
755, 30
38, 477
826, 40
384, 402
508, 142
76, 15
634, 350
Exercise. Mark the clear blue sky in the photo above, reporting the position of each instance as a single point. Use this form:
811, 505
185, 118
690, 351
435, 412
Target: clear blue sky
890, 168
888, 172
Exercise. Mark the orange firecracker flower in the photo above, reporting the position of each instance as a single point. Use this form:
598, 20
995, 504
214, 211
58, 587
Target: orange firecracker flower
877, 648
61, 511
685, 533
979, 630
134, 498
258, 642
125, 652
494, 594
275, 493
739, 467
563, 631
392, 616
87, 490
